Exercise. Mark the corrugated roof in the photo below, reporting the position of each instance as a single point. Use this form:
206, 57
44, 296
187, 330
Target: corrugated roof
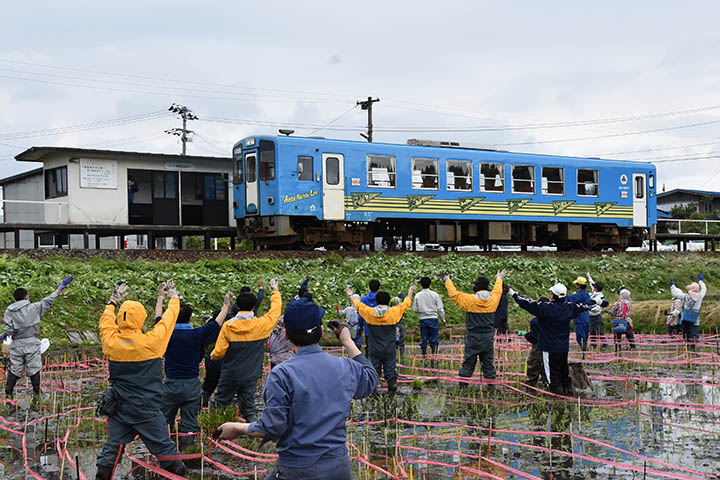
19, 176
37, 154
691, 192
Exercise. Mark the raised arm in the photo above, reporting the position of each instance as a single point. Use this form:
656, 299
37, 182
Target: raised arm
220, 319
221, 345
528, 305
269, 320
159, 302
463, 300
108, 325
159, 336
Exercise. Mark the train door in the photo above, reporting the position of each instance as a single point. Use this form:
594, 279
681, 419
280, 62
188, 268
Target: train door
639, 200
333, 186
251, 184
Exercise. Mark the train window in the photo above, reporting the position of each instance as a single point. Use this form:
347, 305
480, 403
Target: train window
381, 171
459, 175
305, 168
332, 170
639, 187
523, 179
553, 181
425, 173
492, 177
237, 161
587, 183
250, 170
267, 160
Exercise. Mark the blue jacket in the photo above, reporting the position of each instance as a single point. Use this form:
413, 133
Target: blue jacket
307, 400
532, 335
582, 296
370, 301
553, 321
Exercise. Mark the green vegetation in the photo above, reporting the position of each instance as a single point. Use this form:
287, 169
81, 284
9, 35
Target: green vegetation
202, 284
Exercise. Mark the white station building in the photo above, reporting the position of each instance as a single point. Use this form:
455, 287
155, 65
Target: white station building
84, 198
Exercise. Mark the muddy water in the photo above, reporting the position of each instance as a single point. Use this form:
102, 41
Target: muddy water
665, 418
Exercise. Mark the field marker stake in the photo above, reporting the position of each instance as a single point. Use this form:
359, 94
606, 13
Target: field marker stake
489, 436
579, 420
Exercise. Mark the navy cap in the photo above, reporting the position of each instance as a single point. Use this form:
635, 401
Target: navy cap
302, 315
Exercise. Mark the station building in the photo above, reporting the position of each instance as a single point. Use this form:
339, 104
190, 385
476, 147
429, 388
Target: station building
86, 198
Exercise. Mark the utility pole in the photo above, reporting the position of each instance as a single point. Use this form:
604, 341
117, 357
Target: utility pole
183, 132
367, 105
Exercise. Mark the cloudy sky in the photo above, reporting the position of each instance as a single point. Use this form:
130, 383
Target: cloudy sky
617, 79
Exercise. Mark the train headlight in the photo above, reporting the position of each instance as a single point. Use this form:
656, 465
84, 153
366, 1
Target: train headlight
250, 142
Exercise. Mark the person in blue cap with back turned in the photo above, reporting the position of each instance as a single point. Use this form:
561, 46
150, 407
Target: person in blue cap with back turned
307, 400
582, 321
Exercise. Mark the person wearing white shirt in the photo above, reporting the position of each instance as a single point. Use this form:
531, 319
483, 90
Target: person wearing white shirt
429, 307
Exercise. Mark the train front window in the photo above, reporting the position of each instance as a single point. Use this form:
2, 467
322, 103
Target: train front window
553, 181
587, 183
250, 171
523, 179
459, 175
492, 177
305, 168
237, 165
425, 173
267, 160
381, 171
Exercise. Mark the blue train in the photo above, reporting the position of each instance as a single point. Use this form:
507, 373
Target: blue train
297, 192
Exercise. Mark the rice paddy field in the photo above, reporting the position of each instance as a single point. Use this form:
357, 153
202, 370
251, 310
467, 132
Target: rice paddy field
649, 412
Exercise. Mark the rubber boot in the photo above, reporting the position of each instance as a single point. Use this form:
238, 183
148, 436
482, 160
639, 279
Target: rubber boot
104, 472
206, 399
392, 387
186, 441
35, 380
424, 350
10, 384
434, 350
176, 466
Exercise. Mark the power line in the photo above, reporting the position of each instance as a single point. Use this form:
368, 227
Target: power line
645, 150
333, 120
84, 126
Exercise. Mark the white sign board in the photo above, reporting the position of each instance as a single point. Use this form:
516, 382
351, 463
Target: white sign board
98, 173
179, 166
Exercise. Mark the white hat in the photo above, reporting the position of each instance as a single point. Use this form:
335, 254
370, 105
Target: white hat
559, 290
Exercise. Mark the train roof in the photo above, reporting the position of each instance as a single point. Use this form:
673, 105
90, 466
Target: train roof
448, 148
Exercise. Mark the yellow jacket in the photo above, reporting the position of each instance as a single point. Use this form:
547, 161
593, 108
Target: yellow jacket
123, 339
245, 327
392, 316
480, 302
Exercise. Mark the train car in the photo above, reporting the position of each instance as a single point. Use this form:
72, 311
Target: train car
298, 192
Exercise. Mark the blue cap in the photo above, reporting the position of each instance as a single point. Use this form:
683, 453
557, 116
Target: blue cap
302, 315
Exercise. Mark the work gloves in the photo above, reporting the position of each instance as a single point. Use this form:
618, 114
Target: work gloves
445, 277
162, 289
119, 294
672, 282
336, 327
511, 292
66, 281
228, 298
273, 284
501, 274
170, 289
700, 277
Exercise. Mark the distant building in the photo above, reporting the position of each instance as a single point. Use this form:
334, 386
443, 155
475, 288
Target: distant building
703, 201
114, 193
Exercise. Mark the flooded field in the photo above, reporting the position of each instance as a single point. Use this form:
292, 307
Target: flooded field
651, 412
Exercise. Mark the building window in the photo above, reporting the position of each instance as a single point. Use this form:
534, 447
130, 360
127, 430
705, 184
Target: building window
267, 160
56, 182
459, 175
425, 174
164, 185
381, 171
553, 181
523, 179
587, 183
305, 168
492, 177
332, 170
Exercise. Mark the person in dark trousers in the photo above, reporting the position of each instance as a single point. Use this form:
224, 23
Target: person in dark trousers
382, 321
370, 301
213, 368
535, 359
429, 308
554, 334
582, 321
181, 390
242, 344
479, 322
597, 325
135, 366
692, 302
307, 400
22, 323
501, 314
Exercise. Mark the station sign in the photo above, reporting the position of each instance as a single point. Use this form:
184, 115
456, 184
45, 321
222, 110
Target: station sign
98, 173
